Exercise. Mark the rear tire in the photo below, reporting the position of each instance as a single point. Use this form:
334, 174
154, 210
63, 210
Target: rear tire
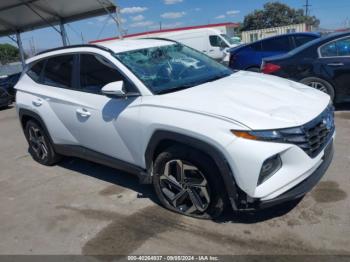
187, 181
40, 147
320, 84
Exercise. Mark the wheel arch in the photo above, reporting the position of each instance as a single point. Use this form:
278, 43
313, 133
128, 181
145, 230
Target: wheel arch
25, 115
162, 139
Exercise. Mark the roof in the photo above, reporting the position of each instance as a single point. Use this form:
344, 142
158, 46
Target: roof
112, 47
134, 44
25, 15
168, 31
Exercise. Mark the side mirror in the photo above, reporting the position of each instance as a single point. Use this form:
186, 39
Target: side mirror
114, 89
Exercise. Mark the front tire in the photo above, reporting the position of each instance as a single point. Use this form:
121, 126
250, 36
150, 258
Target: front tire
187, 181
320, 84
40, 147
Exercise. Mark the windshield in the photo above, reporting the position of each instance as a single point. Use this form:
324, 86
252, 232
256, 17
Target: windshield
228, 39
172, 67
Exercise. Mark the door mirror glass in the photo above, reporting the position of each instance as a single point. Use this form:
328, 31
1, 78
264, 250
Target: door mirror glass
114, 89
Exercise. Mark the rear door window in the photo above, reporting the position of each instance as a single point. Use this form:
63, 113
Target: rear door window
336, 48
59, 71
278, 44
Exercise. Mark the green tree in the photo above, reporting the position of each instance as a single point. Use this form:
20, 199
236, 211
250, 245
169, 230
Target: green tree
8, 53
276, 14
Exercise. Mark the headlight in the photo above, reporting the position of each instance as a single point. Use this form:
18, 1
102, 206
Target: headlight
269, 135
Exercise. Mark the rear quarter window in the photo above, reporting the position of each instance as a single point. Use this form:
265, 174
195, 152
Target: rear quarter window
303, 39
35, 70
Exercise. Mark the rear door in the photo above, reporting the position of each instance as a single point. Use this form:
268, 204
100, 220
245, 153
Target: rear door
51, 95
335, 61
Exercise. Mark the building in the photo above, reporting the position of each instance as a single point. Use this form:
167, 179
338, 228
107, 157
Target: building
225, 28
254, 35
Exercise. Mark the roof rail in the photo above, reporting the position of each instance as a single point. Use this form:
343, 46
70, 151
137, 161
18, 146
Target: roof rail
75, 46
160, 38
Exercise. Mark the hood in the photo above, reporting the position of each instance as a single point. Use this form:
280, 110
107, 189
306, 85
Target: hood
258, 101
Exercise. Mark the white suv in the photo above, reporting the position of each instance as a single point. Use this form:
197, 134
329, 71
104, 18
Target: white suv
202, 134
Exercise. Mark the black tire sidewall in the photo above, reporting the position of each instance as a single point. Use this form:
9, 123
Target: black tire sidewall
208, 169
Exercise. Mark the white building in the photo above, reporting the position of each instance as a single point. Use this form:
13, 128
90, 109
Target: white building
254, 35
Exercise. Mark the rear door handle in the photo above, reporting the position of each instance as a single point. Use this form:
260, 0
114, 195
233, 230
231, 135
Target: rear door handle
37, 102
83, 112
336, 64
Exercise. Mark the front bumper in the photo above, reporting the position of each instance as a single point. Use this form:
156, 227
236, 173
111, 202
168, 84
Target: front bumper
305, 186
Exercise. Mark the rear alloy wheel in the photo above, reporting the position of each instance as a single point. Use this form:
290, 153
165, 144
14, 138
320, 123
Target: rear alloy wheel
40, 147
320, 85
188, 183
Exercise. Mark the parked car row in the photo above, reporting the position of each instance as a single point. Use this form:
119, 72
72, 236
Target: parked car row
249, 57
320, 62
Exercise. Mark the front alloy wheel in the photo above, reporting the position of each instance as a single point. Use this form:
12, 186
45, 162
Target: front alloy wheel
187, 181
185, 187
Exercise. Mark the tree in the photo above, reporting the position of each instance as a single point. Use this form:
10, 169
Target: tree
8, 53
276, 14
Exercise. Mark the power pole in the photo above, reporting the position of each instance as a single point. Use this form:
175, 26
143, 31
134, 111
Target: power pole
307, 8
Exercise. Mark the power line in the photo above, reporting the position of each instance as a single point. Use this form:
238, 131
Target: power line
307, 7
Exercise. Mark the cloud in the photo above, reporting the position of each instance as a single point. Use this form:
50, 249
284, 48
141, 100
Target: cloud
106, 19
133, 10
137, 18
228, 13
172, 25
142, 24
173, 15
232, 12
220, 17
172, 2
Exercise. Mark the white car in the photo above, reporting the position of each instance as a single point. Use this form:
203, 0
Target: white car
205, 136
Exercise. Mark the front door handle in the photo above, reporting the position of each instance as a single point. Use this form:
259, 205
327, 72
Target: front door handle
37, 102
83, 112
336, 64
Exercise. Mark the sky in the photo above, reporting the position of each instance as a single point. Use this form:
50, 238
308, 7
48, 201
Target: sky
146, 15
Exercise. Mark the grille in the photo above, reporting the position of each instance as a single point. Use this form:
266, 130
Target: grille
313, 136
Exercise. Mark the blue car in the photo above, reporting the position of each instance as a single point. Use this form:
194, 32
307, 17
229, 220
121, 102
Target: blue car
249, 57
